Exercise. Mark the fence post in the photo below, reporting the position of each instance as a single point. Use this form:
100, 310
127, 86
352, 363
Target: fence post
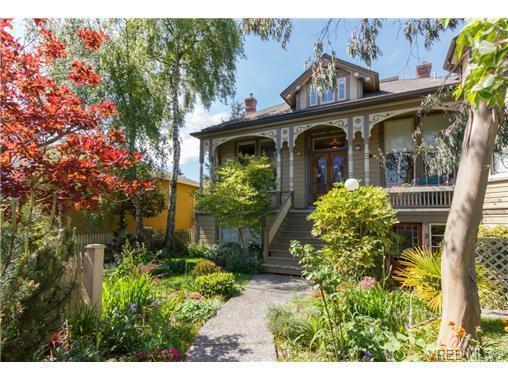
93, 264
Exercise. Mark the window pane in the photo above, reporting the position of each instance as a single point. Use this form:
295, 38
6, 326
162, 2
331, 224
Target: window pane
330, 143
436, 235
338, 169
313, 97
267, 148
247, 149
406, 237
437, 179
342, 88
328, 96
399, 169
321, 175
500, 164
229, 235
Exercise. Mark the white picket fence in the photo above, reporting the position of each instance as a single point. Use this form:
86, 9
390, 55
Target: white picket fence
90, 238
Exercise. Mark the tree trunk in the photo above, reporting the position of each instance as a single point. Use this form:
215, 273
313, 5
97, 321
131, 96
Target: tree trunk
241, 237
175, 138
140, 235
461, 304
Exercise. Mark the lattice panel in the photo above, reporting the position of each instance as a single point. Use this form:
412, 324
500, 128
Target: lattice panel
493, 253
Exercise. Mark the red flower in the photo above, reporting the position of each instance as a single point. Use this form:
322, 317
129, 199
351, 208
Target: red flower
84, 75
92, 39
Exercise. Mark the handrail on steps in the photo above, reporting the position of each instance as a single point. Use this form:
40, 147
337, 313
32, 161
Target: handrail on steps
285, 206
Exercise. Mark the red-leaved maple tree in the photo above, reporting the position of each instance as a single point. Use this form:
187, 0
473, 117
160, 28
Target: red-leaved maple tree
51, 142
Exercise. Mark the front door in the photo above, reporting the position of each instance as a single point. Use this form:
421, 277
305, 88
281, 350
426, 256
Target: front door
328, 168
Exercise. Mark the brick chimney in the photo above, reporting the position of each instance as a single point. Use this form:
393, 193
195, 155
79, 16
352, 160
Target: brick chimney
250, 104
423, 70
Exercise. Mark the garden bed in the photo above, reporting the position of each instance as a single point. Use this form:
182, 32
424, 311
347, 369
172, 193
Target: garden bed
152, 306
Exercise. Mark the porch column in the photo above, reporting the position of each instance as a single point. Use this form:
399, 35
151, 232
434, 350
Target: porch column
291, 170
367, 162
366, 136
201, 160
350, 160
210, 159
279, 170
350, 138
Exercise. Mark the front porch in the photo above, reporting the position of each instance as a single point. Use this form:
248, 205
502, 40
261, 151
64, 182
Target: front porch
375, 148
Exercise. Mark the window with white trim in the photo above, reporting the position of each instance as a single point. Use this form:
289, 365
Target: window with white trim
406, 236
313, 97
341, 85
436, 236
500, 163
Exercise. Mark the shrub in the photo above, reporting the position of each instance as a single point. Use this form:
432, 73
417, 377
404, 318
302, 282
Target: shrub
499, 231
222, 284
205, 267
196, 311
154, 240
174, 266
233, 258
126, 301
33, 287
133, 256
356, 228
396, 310
421, 272
196, 250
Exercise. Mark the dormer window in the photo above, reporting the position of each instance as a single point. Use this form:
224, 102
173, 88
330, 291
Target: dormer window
341, 89
313, 97
328, 96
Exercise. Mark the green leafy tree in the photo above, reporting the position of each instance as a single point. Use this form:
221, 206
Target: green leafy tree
133, 81
240, 197
481, 48
355, 226
197, 59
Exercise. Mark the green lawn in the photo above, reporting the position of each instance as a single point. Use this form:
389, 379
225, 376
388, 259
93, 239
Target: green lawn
170, 283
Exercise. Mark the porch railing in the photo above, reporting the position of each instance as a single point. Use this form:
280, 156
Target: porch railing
277, 198
421, 197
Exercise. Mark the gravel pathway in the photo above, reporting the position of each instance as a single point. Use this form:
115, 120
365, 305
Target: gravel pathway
239, 331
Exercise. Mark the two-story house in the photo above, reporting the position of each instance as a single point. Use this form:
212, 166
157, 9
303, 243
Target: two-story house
361, 128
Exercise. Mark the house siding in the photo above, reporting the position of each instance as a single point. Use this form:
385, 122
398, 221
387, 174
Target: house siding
206, 229
495, 205
226, 152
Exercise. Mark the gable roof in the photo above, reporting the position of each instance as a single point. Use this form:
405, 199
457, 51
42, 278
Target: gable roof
288, 93
390, 90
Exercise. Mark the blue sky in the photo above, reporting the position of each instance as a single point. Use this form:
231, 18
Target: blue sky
268, 69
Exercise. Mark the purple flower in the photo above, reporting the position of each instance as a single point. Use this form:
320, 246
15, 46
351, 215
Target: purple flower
367, 356
133, 307
142, 355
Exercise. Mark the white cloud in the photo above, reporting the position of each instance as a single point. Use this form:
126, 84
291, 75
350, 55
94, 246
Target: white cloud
199, 119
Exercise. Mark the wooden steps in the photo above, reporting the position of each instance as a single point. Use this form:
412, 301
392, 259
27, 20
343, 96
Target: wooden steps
294, 228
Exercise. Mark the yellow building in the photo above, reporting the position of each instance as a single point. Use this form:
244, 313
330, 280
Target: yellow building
186, 190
